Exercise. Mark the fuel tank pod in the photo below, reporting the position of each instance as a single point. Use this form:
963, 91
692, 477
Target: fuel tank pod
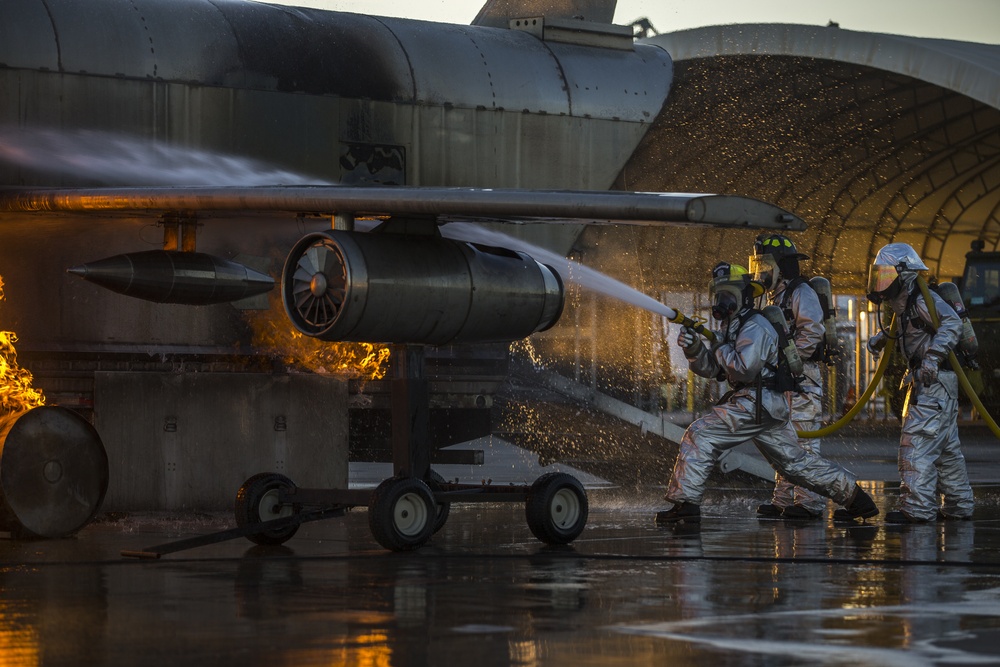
418, 289
164, 276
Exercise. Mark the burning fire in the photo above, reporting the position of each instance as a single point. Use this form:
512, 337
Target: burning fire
272, 331
16, 392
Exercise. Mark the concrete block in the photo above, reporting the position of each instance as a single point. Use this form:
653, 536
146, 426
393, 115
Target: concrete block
189, 440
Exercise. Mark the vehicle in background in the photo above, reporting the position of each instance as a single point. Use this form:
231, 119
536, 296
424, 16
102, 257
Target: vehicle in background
980, 289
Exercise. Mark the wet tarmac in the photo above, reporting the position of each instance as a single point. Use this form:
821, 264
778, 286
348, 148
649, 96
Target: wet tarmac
483, 591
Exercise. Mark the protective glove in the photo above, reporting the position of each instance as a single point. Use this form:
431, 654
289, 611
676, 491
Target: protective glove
876, 344
928, 371
690, 342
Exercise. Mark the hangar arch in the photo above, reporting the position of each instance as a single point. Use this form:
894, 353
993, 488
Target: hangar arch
870, 138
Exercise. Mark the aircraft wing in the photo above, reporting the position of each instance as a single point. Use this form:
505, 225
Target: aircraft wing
507, 205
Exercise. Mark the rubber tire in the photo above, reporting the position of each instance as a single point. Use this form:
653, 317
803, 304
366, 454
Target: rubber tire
256, 501
556, 508
402, 513
443, 509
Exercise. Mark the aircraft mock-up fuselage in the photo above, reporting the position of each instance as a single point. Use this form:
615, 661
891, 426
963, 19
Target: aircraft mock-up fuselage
337, 97
201, 93
178, 150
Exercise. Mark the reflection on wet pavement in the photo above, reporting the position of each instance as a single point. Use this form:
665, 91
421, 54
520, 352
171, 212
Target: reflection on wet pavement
485, 592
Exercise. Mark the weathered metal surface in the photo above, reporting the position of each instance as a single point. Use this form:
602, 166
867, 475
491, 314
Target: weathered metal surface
53, 472
323, 90
618, 207
395, 288
192, 278
498, 13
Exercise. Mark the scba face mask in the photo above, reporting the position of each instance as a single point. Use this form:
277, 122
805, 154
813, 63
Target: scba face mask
725, 302
883, 283
764, 269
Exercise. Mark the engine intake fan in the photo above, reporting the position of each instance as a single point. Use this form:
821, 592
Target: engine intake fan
406, 288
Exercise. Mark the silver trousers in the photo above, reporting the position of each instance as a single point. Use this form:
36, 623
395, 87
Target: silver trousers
806, 410
930, 453
731, 424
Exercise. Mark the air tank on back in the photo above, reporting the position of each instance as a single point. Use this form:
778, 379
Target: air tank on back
777, 319
418, 289
967, 342
824, 293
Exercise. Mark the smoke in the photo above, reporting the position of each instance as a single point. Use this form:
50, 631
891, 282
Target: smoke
116, 159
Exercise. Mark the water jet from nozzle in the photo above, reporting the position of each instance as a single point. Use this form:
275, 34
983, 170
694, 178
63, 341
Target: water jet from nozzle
570, 271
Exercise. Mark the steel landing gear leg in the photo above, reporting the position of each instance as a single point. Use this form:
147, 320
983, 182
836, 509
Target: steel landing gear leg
410, 399
402, 512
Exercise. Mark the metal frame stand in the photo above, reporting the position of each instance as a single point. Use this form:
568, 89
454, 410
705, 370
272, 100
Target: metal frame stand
409, 393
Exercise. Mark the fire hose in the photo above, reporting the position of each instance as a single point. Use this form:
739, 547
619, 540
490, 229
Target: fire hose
883, 364
963, 380
685, 321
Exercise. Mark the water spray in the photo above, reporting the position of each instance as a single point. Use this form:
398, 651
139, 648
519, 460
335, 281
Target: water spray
569, 271
122, 159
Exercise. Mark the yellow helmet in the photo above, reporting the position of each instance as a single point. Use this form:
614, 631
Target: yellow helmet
731, 288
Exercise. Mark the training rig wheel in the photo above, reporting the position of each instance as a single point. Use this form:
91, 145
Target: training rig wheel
258, 501
556, 508
402, 514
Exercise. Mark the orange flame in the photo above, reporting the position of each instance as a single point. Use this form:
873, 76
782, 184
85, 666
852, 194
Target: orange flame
273, 332
16, 392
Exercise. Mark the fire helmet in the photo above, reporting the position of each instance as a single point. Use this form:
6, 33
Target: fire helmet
774, 257
731, 289
891, 262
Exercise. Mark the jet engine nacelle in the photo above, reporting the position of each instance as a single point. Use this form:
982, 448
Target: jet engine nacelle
395, 288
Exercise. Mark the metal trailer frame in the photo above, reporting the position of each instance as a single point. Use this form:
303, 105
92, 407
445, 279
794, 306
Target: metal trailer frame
404, 510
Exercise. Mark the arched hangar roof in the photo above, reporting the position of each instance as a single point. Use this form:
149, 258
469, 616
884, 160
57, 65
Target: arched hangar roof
871, 138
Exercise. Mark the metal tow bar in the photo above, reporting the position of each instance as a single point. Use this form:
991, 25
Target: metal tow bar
233, 533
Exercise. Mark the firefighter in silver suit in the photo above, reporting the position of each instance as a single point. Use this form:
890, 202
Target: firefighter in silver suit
745, 353
775, 264
930, 454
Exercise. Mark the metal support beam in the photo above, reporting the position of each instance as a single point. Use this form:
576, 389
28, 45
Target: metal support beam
410, 400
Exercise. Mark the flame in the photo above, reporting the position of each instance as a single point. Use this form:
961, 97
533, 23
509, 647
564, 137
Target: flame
16, 392
273, 332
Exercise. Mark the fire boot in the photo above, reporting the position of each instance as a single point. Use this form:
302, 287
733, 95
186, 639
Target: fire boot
800, 512
680, 513
861, 506
768, 511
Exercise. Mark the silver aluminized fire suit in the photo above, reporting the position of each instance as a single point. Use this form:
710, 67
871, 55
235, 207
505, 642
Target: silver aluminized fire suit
807, 330
930, 454
746, 345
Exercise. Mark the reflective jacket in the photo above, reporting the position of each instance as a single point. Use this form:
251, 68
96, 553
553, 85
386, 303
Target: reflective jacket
804, 316
916, 333
748, 349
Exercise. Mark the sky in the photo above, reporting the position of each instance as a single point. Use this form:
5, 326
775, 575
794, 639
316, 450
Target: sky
968, 20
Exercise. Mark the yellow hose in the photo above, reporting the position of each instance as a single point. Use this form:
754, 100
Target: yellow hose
685, 321
883, 364
955, 365
850, 414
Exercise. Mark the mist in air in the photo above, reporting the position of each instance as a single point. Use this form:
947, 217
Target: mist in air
121, 160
